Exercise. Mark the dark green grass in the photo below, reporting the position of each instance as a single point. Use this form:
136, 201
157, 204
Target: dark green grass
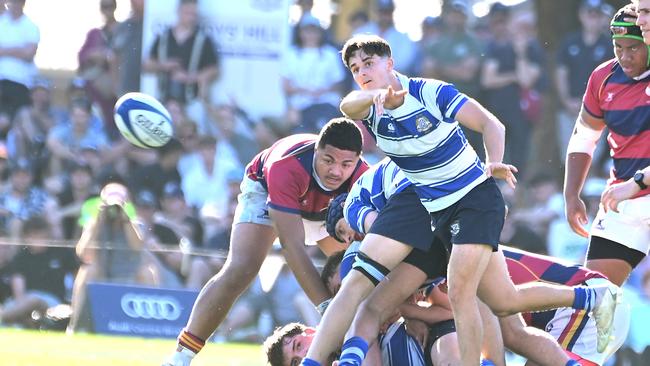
33, 348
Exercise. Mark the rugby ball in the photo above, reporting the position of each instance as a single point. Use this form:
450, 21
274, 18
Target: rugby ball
143, 120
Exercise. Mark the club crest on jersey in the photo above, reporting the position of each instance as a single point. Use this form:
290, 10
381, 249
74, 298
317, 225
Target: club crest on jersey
423, 124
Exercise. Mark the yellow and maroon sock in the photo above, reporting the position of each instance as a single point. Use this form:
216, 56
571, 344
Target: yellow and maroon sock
190, 341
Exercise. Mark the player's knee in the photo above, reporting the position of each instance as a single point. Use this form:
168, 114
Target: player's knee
461, 293
234, 276
371, 269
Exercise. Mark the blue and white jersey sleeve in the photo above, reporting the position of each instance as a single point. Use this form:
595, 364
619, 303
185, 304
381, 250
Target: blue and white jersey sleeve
371, 192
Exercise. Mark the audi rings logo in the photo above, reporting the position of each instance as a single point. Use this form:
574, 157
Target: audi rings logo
150, 307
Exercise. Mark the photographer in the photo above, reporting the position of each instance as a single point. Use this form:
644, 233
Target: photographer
110, 247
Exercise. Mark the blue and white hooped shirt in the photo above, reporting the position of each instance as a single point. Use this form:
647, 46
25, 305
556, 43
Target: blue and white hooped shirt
423, 138
371, 192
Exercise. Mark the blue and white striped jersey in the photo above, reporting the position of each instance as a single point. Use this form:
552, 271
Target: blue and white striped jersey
371, 192
423, 138
400, 349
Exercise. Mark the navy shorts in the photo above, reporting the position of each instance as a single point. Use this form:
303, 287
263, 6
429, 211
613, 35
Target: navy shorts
405, 220
433, 262
477, 218
437, 331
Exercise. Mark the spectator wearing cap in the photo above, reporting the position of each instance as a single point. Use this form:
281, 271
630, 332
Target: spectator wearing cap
155, 175
18, 44
161, 240
32, 123
403, 49
312, 78
77, 188
22, 199
178, 216
65, 140
579, 53
512, 65
205, 181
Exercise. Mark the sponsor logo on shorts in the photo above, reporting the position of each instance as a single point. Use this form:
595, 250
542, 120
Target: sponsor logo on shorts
599, 224
455, 228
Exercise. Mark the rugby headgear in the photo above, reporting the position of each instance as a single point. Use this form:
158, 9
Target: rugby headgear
334, 214
619, 28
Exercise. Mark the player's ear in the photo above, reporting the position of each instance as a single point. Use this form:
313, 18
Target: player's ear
389, 64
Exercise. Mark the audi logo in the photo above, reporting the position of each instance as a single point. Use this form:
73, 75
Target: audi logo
150, 307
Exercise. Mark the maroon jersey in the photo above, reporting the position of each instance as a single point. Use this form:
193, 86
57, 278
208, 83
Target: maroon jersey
525, 267
286, 170
624, 104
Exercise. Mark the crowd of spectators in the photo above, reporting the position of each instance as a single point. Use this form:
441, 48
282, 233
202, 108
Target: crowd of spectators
62, 166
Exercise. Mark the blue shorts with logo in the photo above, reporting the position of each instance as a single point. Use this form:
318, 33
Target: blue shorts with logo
477, 218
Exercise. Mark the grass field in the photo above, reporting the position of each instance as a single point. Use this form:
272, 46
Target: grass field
33, 348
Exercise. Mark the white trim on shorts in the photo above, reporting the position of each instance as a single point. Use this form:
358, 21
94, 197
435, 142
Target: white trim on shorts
629, 227
253, 207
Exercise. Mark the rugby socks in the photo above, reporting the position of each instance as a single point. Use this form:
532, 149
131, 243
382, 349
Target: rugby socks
487, 362
191, 342
572, 363
309, 362
585, 298
353, 352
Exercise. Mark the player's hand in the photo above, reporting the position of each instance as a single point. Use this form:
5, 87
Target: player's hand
616, 193
576, 215
502, 171
389, 98
419, 330
630, 13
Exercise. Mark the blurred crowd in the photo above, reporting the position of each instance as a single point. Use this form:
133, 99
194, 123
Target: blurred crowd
95, 207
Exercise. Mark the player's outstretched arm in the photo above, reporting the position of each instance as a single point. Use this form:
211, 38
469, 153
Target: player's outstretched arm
291, 234
356, 105
581, 146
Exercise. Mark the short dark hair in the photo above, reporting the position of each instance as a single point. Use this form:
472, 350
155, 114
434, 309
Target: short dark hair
331, 267
273, 344
341, 133
370, 44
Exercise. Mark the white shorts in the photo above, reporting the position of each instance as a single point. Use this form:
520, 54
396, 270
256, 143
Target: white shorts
575, 331
630, 226
252, 207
